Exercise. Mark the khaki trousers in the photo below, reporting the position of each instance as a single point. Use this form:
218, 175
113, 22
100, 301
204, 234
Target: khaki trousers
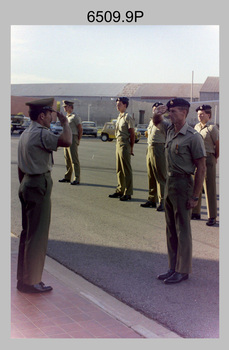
178, 228
123, 169
72, 160
156, 170
209, 188
34, 194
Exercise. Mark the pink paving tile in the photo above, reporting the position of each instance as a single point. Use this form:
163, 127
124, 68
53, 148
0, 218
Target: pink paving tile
43, 305
25, 325
61, 313
62, 320
28, 309
43, 322
34, 333
63, 303
72, 311
35, 318
61, 336
53, 313
20, 301
52, 330
15, 334
80, 317
71, 327
95, 328
81, 334
18, 317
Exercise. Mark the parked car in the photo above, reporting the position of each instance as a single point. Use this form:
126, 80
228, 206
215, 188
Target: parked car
89, 128
108, 133
19, 123
56, 127
142, 128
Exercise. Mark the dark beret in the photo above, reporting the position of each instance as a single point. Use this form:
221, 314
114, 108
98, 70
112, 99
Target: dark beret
203, 108
156, 104
124, 100
177, 102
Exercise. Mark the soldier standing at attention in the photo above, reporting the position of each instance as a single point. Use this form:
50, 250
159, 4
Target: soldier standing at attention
71, 153
155, 160
34, 170
125, 138
210, 134
184, 153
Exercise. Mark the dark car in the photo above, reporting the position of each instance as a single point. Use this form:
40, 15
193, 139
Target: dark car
89, 128
19, 123
142, 128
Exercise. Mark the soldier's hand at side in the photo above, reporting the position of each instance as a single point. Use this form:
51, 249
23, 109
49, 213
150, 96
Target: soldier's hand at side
191, 204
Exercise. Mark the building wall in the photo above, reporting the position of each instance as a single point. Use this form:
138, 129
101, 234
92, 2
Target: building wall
103, 109
209, 96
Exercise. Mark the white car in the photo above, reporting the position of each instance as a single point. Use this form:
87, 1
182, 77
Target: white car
89, 128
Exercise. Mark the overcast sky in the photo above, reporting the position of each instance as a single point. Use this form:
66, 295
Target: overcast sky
113, 54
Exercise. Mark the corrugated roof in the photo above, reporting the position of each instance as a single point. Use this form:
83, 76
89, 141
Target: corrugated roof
116, 89
167, 90
108, 89
211, 84
84, 89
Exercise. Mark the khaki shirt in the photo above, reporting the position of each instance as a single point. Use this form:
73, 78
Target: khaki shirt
210, 134
123, 124
157, 134
182, 148
74, 120
35, 149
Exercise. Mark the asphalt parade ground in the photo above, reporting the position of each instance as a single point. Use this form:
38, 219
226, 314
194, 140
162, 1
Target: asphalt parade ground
116, 249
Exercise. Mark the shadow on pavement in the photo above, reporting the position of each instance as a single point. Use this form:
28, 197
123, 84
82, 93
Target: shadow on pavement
190, 308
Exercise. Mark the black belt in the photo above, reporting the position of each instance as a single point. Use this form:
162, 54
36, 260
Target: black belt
174, 174
38, 174
157, 143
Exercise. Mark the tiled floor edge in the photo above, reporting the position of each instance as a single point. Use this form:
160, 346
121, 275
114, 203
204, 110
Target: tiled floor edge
133, 319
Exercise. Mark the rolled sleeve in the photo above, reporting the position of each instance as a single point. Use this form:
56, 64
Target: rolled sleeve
49, 140
197, 146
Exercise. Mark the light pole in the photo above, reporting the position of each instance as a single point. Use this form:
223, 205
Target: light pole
192, 86
88, 112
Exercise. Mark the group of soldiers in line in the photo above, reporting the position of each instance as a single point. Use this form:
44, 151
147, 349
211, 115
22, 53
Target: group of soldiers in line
155, 158
180, 161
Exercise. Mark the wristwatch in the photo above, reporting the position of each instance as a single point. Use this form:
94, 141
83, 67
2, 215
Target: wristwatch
195, 198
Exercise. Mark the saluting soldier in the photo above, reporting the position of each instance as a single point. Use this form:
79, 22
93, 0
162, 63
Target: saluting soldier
125, 139
71, 153
155, 160
210, 134
35, 163
185, 153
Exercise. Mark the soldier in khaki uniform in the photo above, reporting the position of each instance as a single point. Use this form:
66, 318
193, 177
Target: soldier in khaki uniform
125, 138
185, 153
155, 160
35, 163
71, 153
210, 134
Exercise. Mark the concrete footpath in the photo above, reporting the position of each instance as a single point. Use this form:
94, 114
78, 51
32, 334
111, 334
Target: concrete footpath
75, 308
